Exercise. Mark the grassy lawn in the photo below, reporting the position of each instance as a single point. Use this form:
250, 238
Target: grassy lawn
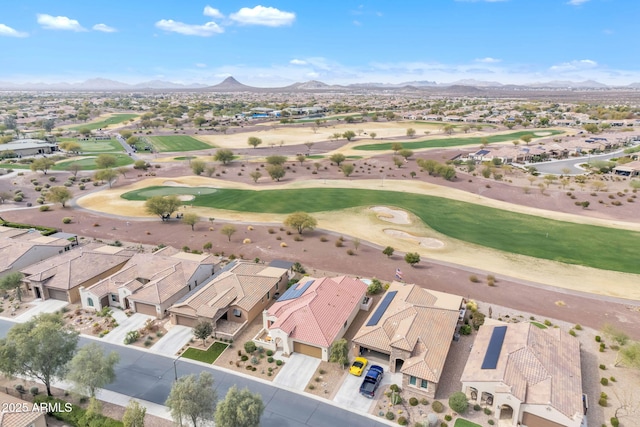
114, 119
494, 228
13, 166
110, 145
460, 422
164, 191
177, 143
458, 141
208, 356
538, 325
316, 157
89, 163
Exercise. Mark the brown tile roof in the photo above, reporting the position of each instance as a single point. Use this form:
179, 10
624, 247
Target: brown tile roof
243, 286
319, 314
419, 321
537, 366
22, 418
74, 267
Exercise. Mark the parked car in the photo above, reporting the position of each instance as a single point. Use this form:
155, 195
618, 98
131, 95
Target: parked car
371, 381
358, 365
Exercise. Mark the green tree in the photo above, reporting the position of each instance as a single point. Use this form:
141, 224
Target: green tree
255, 176
526, 138
375, 287
458, 402
411, 132
12, 281
406, 153
276, 172
349, 135
339, 352
59, 195
412, 258
240, 408
397, 161
126, 134
43, 164
447, 172
193, 398
199, 121
198, 166
39, 348
162, 205
191, 219
49, 124
84, 131
591, 128
224, 156
141, 164
203, 330
108, 175
228, 230
388, 251
132, 140
373, 135
254, 141
429, 165
134, 415
337, 158
70, 146
91, 369
105, 161
301, 221
449, 129
123, 171
301, 158
347, 169
4, 196
276, 160
209, 170
396, 146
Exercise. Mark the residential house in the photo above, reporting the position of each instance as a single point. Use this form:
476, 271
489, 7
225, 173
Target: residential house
232, 298
28, 147
528, 376
413, 328
631, 169
150, 283
60, 277
26, 416
20, 248
314, 313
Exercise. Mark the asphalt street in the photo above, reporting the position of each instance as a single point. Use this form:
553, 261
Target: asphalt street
556, 166
149, 376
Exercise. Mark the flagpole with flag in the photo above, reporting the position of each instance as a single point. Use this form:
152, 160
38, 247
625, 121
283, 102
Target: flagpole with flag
398, 274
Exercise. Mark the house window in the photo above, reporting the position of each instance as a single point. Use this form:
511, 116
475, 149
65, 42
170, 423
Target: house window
418, 382
237, 312
268, 295
90, 302
424, 384
345, 324
412, 380
113, 298
277, 285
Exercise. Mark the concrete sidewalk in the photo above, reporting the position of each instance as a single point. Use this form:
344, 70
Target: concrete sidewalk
296, 373
173, 341
133, 323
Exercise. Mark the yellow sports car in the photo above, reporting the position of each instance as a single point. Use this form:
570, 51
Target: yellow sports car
358, 365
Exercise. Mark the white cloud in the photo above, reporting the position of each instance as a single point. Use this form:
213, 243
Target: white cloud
488, 60
357, 23
206, 30
201, 65
577, 2
576, 65
104, 28
49, 22
260, 15
210, 11
7, 31
298, 62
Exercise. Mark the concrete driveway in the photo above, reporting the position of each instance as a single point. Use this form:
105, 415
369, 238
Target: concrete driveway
40, 306
348, 395
135, 322
173, 341
297, 371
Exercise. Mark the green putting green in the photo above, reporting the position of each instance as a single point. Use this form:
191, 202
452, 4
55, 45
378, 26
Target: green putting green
89, 163
458, 141
177, 143
102, 146
114, 119
607, 248
145, 193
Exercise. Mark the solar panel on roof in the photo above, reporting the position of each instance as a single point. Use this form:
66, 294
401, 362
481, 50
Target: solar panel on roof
384, 304
295, 291
495, 347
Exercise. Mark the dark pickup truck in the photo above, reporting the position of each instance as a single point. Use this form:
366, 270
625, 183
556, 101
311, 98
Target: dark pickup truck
371, 381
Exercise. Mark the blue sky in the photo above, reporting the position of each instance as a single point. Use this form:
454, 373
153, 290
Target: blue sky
278, 42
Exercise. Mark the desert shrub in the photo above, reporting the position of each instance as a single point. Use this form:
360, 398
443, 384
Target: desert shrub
603, 367
465, 330
473, 278
350, 252
66, 220
413, 401
44, 208
279, 362
491, 422
577, 327
250, 347
394, 387
402, 421
269, 352
604, 381
131, 337
437, 407
477, 407
614, 422
547, 322
602, 402
572, 332
312, 387
389, 415
424, 401
447, 417
244, 357
598, 339
612, 379
339, 243
270, 359
487, 411
34, 391
396, 399
458, 402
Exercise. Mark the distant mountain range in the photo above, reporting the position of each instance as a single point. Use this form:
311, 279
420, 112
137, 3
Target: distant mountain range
230, 84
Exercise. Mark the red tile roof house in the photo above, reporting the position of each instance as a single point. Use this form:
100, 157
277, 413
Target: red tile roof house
412, 327
151, 283
232, 298
26, 414
20, 248
61, 276
312, 314
527, 375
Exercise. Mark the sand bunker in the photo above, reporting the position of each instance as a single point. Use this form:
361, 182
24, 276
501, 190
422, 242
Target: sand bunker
542, 133
425, 242
391, 215
186, 197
